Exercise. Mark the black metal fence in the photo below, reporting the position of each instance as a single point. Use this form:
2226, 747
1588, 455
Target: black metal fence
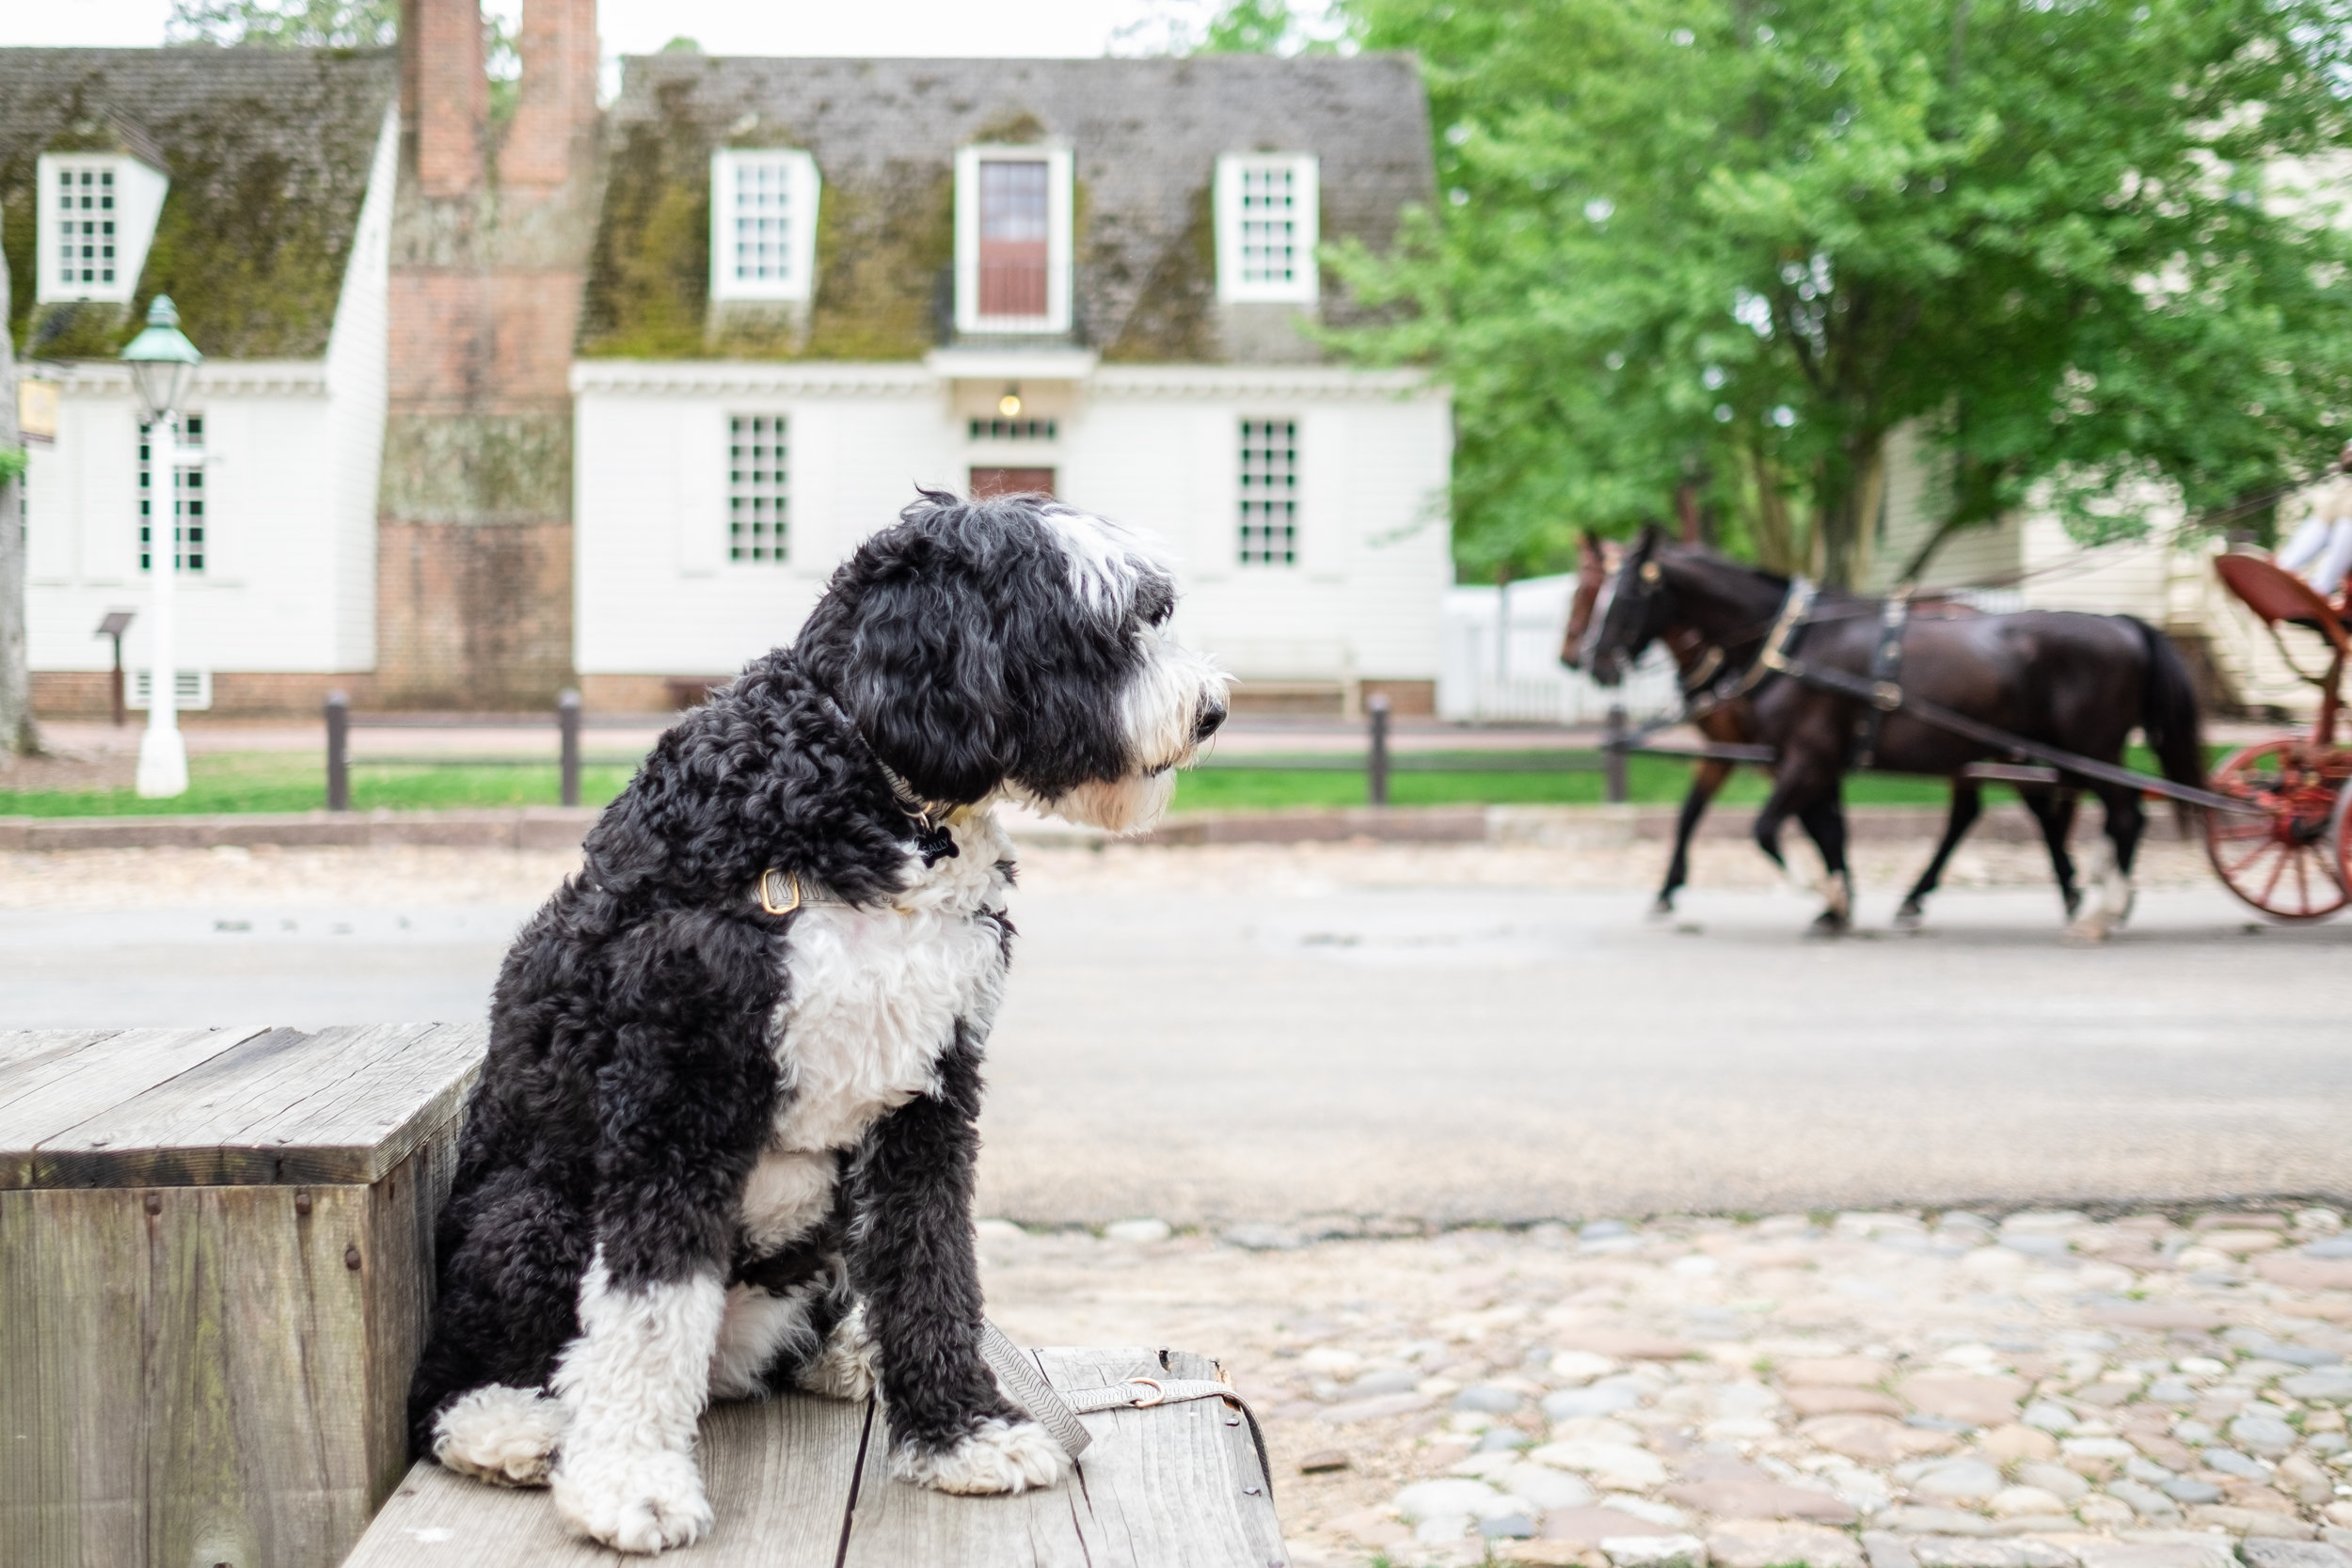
567, 721
1379, 762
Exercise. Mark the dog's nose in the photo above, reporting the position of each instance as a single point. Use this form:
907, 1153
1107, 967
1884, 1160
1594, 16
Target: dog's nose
1211, 717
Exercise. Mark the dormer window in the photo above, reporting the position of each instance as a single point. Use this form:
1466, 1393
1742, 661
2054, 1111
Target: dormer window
97, 214
1012, 239
763, 224
1266, 228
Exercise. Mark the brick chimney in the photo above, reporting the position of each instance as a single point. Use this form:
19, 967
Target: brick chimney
444, 94
555, 109
474, 511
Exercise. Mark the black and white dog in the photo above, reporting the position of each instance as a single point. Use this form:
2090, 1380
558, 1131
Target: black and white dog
723, 1141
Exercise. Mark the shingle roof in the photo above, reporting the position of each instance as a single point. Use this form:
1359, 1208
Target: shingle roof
268, 151
1145, 132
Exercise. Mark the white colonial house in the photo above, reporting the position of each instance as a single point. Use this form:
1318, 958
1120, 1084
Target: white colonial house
255, 187
817, 284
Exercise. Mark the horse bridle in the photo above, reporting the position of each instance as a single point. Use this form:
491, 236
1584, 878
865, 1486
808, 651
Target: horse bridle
1703, 690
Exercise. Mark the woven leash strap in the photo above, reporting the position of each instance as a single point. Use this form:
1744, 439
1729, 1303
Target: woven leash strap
1018, 1376
1058, 1412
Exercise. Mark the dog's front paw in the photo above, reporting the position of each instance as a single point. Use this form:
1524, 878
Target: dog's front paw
845, 1368
999, 1456
506, 1436
634, 1501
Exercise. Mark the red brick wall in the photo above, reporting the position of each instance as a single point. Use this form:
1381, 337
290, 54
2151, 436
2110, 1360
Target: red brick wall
445, 97
555, 109
473, 541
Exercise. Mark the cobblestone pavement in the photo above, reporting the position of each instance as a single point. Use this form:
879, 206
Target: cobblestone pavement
1908, 1390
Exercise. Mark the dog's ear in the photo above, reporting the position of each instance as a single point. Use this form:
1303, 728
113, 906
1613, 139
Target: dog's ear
922, 674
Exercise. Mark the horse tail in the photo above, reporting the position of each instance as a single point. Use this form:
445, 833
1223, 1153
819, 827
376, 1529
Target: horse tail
2169, 717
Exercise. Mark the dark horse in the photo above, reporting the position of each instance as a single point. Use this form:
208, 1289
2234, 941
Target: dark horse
2073, 681
1731, 721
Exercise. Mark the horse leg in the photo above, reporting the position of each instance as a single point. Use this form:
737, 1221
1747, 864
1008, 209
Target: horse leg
1825, 823
1705, 779
2053, 813
2111, 882
1968, 803
1795, 789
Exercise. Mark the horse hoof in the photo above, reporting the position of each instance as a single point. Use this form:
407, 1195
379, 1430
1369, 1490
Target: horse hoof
2090, 931
1910, 917
1829, 922
1662, 910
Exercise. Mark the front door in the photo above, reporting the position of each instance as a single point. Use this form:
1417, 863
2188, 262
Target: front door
1011, 482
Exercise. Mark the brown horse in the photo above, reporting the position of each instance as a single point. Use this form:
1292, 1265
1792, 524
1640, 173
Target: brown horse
2072, 681
1732, 721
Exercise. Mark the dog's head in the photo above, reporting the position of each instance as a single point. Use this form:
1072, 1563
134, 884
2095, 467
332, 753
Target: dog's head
1016, 645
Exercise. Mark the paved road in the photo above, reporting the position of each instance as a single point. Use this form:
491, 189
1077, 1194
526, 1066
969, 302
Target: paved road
1488, 1054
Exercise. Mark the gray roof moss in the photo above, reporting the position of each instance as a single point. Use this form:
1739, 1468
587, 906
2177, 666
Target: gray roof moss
1145, 134
269, 152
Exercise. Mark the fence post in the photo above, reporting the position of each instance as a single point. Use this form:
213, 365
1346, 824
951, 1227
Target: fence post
1376, 756
567, 725
337, 752
1612, 756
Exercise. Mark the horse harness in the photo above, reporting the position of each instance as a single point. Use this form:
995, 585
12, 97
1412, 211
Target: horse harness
1886, 667
1881, 693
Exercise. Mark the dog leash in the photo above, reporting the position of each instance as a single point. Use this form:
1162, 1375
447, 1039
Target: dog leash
1018, 1375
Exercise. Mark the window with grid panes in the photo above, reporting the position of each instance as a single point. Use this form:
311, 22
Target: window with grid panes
756, 493
763, 221
86, 224
185, 500
1269, 223
1269, 492
1013, 212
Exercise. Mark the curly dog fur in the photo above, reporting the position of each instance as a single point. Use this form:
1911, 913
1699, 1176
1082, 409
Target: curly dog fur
720, 1151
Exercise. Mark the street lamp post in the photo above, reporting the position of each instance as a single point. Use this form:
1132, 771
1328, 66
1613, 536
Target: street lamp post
163, 362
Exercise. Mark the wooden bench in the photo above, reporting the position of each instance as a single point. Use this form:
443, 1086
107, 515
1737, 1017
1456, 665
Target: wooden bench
804, 1483
215, 1275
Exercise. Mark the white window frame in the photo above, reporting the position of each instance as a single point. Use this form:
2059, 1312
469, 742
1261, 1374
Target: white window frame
1244, 499
1058, 241
803, 190
1304, 286
139, 193
781, 488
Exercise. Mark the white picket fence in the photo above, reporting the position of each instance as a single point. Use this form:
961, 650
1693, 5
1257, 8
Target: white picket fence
1500, 662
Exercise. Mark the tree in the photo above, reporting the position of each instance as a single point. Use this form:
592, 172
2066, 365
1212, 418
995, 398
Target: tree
286, 24
17, 735
1725, 248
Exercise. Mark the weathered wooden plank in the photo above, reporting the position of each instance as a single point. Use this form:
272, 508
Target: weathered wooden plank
45, 1093
73, 1313
22, 1045
1173, 1486
779, 1473
400, 1287
344, 1106
1159, 1488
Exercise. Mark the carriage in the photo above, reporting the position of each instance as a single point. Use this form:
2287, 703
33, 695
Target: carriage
2274, 812
2285, 851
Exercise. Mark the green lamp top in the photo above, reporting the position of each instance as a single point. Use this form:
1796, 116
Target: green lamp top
163, 340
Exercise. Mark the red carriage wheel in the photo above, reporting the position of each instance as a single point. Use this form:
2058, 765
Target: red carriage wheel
2285, 861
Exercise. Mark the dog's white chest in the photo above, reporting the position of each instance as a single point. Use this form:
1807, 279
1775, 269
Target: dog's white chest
874, 995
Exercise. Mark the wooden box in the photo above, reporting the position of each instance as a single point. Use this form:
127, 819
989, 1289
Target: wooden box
804, 1483
216, 1271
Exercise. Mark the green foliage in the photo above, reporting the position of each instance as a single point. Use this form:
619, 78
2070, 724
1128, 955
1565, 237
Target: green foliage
1724, 247
286, 24
1249, 28
12, 463
681, 45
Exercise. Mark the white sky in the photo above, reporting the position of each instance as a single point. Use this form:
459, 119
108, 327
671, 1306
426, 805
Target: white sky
936, 28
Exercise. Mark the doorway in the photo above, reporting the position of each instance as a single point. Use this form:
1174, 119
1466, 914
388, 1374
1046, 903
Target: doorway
1011, 482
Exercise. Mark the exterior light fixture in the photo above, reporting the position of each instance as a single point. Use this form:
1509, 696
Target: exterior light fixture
1010, 405
163, 364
